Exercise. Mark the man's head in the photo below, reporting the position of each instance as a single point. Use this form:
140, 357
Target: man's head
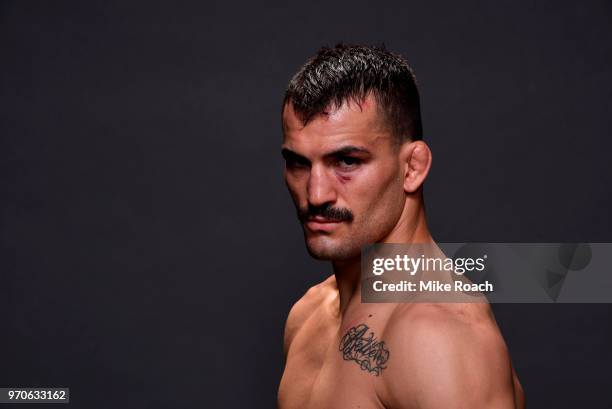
352, 130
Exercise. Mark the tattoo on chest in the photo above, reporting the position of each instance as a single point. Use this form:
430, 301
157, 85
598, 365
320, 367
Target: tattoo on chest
369, 353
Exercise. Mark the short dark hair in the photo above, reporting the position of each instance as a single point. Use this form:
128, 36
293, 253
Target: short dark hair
351, 72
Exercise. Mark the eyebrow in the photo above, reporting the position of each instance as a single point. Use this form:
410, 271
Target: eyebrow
346, 150
288, 153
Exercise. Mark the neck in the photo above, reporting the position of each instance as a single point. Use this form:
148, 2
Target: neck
411, 228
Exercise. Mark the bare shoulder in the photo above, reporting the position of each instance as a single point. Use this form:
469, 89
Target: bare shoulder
456, 319
317, 297
447, 355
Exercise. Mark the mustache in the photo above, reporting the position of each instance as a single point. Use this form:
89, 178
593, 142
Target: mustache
337, 214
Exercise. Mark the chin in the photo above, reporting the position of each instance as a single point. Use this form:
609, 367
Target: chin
325, 248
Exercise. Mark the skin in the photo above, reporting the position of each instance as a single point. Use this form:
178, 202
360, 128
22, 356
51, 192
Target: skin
440, 355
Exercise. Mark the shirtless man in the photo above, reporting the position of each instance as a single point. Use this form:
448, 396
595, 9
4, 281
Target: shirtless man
355, 167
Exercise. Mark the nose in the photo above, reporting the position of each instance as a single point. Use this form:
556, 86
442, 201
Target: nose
320, 187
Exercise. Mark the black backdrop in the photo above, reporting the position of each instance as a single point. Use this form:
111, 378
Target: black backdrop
150, 252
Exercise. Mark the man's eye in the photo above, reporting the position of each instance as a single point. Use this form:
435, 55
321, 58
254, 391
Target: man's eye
295, 163
348, 162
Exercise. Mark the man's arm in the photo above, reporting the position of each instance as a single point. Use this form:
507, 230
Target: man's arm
444, 359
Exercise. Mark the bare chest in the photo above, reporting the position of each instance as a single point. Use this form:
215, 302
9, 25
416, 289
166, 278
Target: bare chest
328, 369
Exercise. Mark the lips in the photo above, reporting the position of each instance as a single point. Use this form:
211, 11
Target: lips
321, 224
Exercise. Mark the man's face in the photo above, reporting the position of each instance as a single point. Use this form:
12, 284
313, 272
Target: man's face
344, 175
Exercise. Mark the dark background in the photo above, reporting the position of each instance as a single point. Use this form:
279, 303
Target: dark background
149, 250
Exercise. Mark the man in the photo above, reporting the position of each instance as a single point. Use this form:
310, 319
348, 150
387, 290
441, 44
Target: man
355, 167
